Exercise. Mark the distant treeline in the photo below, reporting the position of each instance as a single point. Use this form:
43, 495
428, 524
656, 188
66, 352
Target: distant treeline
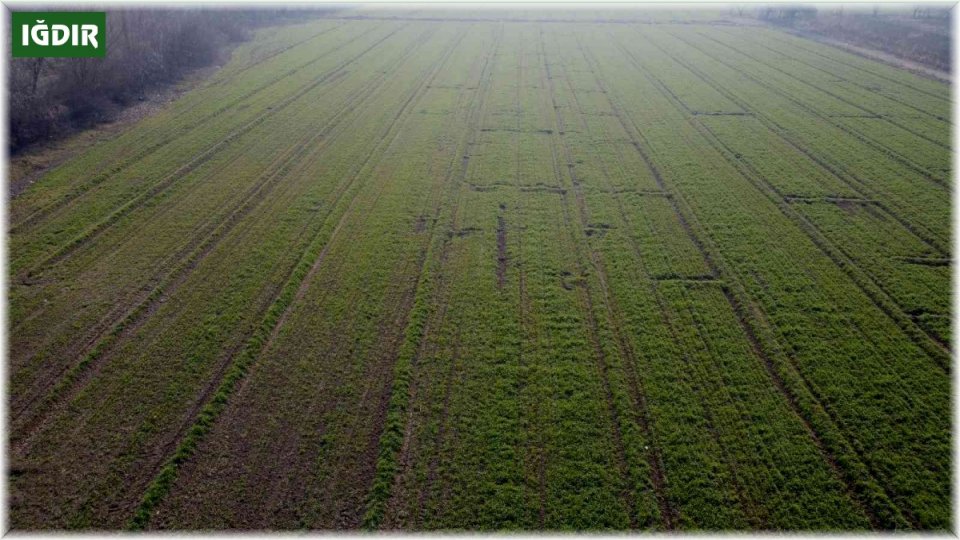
49, 97
920, 34
922, 39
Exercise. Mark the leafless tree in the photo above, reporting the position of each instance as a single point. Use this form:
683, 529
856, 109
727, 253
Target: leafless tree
145, 48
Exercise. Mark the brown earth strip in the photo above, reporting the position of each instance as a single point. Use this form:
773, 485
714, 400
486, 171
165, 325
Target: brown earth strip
438, 442
872, 54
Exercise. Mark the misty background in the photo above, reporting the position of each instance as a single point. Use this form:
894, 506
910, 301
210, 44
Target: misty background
149, 49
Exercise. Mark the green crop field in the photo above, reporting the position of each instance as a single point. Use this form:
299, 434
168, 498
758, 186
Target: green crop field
435, 272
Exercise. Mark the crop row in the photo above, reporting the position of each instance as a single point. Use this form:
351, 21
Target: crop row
876, 76
719, 360
495, 275
334, 349
876, 175
153, 379
855, 363
890, 274
225, 107
145, 257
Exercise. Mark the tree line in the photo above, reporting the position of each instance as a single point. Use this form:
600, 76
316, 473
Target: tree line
146, 48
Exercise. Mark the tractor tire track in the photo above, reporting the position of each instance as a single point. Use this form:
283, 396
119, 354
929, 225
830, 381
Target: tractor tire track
290, 295
49, 210
455, 367
798, 45
350, 507
126, 319
872, 114
136, 485
392, 504
230, 77
892, 516
855, 83
576, 235
184, 261
870, 142
865, 281
169, 180
883, 299
747, 505
838, 470
392, 511
861, 187
840, 98
535, 446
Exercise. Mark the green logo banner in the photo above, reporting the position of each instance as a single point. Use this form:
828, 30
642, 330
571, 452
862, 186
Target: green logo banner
59, 34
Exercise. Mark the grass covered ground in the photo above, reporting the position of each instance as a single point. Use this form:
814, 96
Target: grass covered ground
491, 274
